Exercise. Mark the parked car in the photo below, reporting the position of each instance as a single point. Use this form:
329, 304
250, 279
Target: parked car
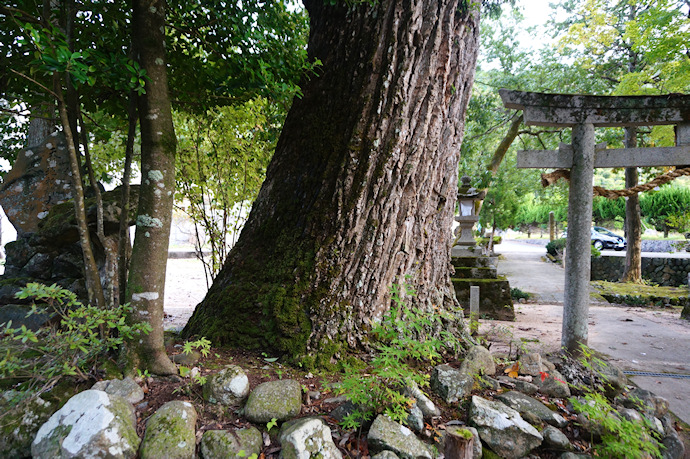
605, 239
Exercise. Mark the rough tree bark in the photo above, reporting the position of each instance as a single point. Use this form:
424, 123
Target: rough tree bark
146, 283
633, 223
362, 188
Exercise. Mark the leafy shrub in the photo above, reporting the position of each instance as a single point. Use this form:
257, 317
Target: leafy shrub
407, 338
517, 294
555, 248
84, 334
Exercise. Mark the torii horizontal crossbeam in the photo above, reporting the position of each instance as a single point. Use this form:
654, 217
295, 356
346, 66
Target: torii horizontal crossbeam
562, 110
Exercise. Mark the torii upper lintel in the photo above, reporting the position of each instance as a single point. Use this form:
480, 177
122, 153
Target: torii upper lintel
564, 110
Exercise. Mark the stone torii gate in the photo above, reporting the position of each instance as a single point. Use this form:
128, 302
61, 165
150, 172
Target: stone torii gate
583, 114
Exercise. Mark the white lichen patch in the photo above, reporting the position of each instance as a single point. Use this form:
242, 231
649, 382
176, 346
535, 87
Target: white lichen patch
147, 234
42, 215
147, 221
159, 61
150, 296
155, 175
49, 146
29, 153
152, 116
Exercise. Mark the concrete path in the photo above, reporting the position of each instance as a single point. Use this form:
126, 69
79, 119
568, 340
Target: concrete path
636, 339
525, 268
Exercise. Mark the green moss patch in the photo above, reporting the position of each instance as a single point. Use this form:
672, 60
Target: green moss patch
640, 294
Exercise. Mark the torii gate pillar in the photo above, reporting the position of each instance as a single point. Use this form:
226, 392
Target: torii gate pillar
578, 262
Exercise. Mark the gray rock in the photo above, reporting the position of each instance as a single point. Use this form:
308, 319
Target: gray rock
20, 423
424, 403
280, 399
188, 360
91, 424
306, 438
553, 385
385, 434
450, 384
612, 375
416, 419
570, 455
530, 364
556, 439
17, 313
525, 387
673, 447
486, 382
385, 455
478, 361
630, 414
526, 404
344, 410
502, 428
126, 388
170, 432
221, 444
229, 387
649, 403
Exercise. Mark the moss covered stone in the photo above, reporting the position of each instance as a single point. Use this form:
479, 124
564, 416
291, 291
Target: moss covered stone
221, 444
171, 432
280, 400
308, 437
20, 423
91, 423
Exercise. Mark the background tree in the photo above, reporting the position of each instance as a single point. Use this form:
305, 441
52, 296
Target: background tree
361, 190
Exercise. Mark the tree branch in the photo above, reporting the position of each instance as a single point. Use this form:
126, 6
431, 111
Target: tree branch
34, 81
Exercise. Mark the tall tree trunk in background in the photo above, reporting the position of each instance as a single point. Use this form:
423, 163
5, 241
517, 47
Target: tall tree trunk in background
633, 224
42, 124
124, 249
146, 284
362, 188
91, 275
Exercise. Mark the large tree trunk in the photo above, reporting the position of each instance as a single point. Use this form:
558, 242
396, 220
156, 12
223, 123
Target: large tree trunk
633, 224
362, 188
146, 283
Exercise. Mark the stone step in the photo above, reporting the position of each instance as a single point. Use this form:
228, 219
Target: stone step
494, 297
476, 273
474, 262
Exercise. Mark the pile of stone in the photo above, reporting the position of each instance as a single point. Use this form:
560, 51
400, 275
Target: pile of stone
522, 412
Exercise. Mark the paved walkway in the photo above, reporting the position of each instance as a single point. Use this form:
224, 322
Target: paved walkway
637, 339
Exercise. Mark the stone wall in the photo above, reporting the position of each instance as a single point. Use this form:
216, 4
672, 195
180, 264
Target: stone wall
671, 272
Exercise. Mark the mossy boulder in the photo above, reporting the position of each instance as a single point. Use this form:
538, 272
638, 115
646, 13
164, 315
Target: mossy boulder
20, 423
229, 387
170, 432
386, 434
221, 444
280, 400
91, 423
306, 438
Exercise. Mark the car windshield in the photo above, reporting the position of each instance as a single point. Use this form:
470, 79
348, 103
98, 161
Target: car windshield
604, 231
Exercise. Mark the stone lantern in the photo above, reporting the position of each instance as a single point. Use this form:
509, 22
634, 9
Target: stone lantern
469, 203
